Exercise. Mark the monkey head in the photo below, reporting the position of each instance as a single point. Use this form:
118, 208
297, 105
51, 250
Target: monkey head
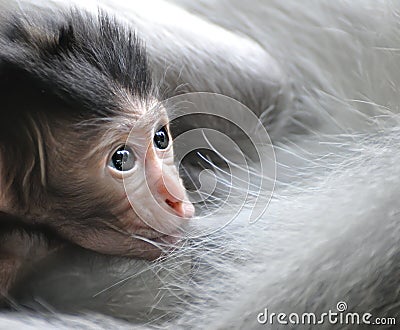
85, 143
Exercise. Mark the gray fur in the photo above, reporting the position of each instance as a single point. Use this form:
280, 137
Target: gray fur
331, 232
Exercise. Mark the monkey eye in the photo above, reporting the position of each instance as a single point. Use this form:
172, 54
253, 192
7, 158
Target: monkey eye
123, 159
161, 138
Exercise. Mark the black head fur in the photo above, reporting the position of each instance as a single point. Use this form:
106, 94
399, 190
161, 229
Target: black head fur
79, 60
73, 65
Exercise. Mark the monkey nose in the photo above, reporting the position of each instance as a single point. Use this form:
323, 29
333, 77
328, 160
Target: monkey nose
175, 197
183, 209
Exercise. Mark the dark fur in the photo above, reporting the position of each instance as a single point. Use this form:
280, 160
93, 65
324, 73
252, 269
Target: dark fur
54, 75
54, 61
76, 62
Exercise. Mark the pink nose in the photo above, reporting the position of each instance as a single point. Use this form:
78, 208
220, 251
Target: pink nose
183, 209
175, 197
165, 183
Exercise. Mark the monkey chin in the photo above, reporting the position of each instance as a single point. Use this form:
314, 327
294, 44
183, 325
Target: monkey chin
158, 235
136, 241
158, 247
160, 242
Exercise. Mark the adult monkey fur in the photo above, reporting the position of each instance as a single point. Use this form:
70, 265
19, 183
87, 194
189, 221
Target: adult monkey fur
331, 233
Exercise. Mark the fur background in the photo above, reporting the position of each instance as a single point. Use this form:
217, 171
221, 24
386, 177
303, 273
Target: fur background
331, 231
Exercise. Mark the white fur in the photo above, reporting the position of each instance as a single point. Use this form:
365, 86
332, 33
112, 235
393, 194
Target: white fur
331, 232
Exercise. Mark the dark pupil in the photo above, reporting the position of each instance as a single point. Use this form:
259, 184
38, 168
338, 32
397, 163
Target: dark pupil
120, 158
161, 139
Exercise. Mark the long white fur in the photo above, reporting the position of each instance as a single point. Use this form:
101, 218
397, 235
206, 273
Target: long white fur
331, 232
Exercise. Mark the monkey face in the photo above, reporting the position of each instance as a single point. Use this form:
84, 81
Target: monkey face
155, 205
118, 191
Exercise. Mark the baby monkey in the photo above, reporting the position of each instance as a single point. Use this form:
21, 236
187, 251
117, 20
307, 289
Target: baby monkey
85, 149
